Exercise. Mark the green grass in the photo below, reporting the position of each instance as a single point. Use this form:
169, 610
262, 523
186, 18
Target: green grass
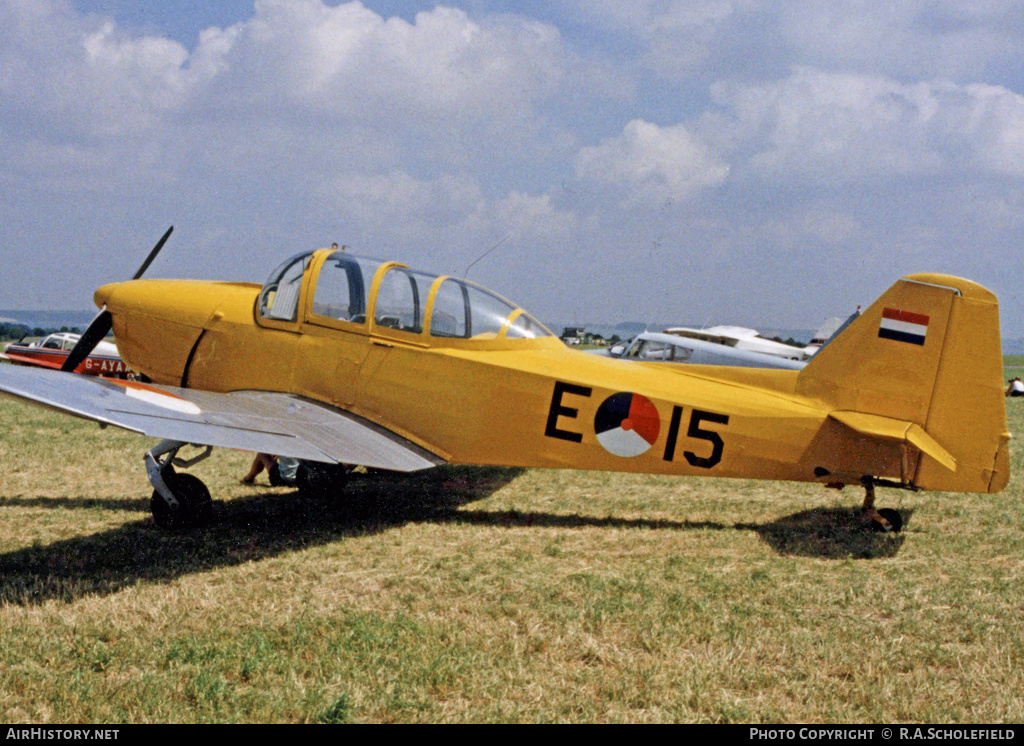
495, 595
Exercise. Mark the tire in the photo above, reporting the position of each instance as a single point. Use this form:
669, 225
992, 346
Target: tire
893, 517
321, 480
195, 508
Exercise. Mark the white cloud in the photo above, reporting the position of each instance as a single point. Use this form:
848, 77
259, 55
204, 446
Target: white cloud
81, 79
298, 62
450, 209
817, 226
350, 63
836, 128
283, 101
921, 38
649, 163
651, 17
755, 39
525, 217
673, 36
397, 198
592, 140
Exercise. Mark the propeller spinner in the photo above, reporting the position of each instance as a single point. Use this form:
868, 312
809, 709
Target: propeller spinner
101, 325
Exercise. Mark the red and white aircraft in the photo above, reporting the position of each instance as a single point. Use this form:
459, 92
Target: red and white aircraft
53, 350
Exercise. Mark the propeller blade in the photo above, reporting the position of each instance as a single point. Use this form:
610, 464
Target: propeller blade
153, 253
98, 328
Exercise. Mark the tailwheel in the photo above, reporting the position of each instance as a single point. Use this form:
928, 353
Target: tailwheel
886, 519
194, 509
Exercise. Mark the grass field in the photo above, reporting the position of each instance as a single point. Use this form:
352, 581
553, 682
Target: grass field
468, 594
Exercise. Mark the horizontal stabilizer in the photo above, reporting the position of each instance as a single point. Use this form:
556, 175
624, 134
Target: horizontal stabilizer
886, 428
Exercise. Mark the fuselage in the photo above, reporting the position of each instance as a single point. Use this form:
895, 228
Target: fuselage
475, 380
53, 350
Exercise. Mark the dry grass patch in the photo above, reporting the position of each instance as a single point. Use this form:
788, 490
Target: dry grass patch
494, 595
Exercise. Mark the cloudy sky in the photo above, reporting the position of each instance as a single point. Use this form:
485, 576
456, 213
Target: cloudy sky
762, 162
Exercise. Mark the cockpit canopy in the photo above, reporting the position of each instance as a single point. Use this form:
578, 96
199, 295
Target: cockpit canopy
357, 293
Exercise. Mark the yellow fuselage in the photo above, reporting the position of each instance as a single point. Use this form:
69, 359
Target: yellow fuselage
516, 402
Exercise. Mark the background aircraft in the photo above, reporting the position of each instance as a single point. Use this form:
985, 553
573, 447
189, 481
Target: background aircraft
52, 351
724, 345
741, 338
340, 360
671, 348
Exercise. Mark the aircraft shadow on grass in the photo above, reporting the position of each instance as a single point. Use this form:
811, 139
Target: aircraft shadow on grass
246, 529
829, 533
265, 525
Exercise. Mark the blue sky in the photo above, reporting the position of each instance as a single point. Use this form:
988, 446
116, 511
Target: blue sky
759, 162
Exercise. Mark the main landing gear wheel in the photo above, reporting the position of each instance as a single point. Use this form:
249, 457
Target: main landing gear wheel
195, 508
179, 500
892, 517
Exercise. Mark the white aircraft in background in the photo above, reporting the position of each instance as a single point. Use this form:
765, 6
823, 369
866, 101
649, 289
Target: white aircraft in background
827, 331
741, 338
725, 345
659, 347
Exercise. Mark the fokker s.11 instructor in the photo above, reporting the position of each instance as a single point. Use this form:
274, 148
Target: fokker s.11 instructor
339, 360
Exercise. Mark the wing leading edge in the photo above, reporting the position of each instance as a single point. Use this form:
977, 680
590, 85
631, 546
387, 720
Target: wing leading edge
268, 422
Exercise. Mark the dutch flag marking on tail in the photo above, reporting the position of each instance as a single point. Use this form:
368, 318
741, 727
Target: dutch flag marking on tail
903, 326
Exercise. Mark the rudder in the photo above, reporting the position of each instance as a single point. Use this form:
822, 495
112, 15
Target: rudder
925, 361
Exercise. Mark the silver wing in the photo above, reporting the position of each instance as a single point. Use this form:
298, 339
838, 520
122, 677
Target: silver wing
268, 422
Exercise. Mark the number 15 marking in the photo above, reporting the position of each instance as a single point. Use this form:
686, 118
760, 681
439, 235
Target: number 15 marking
697, 417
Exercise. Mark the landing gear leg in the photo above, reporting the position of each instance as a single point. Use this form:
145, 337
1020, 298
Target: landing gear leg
179, 500
886, 519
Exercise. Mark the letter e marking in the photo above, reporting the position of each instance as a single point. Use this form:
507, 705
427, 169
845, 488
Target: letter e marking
559, 410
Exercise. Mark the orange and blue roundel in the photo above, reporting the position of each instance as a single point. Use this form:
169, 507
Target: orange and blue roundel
627, 424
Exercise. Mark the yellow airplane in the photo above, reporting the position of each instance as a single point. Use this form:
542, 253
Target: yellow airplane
340, 360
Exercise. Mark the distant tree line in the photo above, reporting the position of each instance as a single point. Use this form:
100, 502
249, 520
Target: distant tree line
9, 330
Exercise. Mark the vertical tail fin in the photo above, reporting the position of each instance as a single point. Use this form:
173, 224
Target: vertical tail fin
923, 366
